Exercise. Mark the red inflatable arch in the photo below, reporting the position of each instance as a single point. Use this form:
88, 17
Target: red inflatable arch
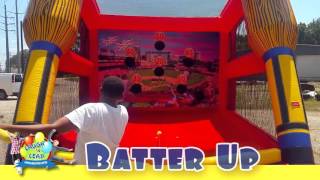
202, 127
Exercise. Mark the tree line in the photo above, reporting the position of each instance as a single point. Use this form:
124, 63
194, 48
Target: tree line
309, 33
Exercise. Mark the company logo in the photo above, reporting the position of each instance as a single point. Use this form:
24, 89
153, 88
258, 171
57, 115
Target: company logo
295, 104
98, 158
36, 151
229, 154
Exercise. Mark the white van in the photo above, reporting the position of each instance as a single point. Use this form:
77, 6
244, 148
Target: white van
9, 84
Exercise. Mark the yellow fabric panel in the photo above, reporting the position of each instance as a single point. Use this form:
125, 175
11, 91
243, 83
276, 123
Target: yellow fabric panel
271, 23
65, 155
294, 131
210, 172
55, 21
4, 136
274, 93
210, 160
291, 88
50, 90
270, 156
31, 85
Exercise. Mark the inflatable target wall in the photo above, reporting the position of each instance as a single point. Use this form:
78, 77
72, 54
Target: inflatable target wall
180, 75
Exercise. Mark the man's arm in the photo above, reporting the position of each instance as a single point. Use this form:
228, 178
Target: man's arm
61, 125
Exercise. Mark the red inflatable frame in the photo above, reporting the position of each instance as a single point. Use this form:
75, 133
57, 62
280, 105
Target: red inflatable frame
201, 127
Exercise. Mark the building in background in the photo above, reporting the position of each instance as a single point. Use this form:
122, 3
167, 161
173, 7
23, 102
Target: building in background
308, 62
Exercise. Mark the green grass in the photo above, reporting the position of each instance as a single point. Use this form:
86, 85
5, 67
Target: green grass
193, 79
141, 105
147, 82
149, 72
144, 72
161, 89
172, 73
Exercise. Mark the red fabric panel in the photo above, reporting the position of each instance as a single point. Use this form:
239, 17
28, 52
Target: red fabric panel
180, 127
188, 127
75, 64
252, 64
67, 139
235, 128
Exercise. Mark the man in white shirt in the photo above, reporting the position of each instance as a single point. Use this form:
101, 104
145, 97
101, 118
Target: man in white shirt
104, 121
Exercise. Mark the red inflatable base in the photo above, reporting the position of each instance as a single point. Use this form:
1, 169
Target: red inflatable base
199, 127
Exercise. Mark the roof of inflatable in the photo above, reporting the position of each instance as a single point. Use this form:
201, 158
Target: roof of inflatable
163, 15
162, 8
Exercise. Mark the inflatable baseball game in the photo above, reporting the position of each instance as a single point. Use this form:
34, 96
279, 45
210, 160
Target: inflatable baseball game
180, 73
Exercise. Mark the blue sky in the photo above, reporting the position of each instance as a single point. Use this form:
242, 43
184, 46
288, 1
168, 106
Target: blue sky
182, 8
305, 11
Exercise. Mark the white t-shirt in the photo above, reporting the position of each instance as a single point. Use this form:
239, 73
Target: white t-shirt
98, 122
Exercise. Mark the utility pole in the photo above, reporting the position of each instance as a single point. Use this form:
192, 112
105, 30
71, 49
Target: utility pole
6, 30
7, 39
22, 53
17, 32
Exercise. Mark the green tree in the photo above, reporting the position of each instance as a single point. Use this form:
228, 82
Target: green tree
309, 33
314, 28
302, 27
14, 61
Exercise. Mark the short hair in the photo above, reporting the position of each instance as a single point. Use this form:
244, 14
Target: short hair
112, 87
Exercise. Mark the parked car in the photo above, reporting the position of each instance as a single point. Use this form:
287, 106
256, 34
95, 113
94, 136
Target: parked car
306, 86
308, 91
306, 94
10, 84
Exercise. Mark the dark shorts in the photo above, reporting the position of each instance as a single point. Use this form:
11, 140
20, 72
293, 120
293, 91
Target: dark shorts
15, 157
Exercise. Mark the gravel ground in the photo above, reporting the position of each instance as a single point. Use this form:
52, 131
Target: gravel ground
6, 115
314, 125
7, 111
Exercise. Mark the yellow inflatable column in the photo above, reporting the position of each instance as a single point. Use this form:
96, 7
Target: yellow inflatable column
272, 34
50, 28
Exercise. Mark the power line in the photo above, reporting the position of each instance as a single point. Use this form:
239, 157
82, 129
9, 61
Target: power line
7, 30
17, 33
7, 40
7, 17
8, 63
7, 23
22, 53
7, 27
14, 12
